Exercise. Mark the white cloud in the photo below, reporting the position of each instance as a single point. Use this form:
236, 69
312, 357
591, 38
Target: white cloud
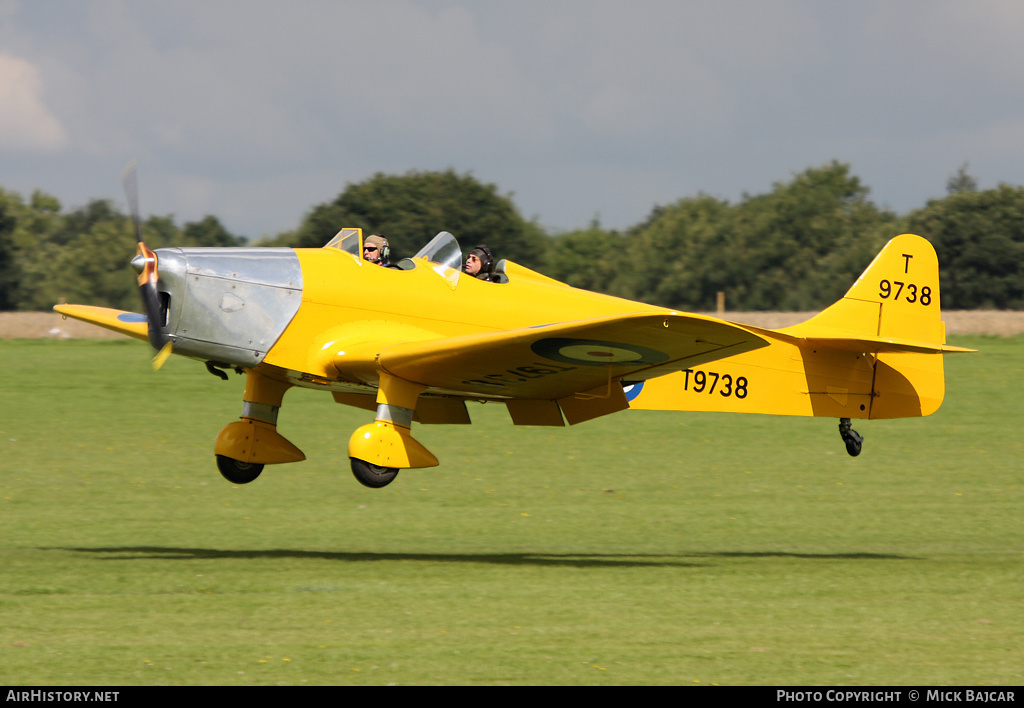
25, 121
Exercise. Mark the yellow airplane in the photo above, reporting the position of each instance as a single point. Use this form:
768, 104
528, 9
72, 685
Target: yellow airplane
416, 341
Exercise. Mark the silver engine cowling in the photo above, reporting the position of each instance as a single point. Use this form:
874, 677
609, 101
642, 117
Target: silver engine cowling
227, 305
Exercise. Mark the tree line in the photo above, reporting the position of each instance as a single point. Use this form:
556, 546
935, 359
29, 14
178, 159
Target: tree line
798, 246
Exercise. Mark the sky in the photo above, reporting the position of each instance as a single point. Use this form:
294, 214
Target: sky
256, 111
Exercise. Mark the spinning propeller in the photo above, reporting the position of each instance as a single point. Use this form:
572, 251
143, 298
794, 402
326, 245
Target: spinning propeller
145, 265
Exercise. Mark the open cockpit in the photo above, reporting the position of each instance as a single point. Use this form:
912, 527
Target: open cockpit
442, 253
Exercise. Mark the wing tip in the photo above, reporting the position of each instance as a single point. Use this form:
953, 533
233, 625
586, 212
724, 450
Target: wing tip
131, 324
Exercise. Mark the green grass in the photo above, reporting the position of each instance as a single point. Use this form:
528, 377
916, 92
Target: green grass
641, 548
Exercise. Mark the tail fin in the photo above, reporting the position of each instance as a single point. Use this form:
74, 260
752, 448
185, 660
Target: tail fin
877, 353
896, 297
893, 311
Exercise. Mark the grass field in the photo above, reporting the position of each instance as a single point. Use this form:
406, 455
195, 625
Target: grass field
641, 548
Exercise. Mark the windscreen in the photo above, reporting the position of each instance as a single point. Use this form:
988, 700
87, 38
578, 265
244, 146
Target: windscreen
349, 241
444, 250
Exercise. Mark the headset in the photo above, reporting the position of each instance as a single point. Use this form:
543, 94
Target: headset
384, 250
487, 265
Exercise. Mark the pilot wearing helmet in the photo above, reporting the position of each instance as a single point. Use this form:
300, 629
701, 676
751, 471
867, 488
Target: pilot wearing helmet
480, 263
376, 250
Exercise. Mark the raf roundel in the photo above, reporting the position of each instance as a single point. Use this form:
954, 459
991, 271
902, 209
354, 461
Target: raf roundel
593, 352
632, 390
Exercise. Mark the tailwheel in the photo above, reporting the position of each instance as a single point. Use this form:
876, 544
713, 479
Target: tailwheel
373, 476
851, 437
238, 472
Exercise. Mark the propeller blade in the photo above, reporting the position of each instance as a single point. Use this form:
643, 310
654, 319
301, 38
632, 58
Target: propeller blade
161, 356
130, 181
145, 265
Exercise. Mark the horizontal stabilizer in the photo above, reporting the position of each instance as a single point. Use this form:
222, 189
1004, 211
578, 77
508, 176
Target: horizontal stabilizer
865, 344
879, 345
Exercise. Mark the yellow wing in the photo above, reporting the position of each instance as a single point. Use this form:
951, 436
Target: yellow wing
558, 360
129, 323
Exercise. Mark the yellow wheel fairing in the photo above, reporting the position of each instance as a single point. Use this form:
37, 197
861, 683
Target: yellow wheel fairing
249, 440
388, 445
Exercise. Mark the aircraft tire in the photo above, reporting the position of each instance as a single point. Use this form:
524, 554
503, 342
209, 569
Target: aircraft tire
851, 437
373, 476
238, 472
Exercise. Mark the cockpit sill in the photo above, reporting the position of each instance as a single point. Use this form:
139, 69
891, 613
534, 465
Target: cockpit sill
442, 251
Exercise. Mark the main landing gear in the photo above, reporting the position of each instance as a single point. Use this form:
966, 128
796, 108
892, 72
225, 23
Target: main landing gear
851, 437
382, 448
377, 450
245, 446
